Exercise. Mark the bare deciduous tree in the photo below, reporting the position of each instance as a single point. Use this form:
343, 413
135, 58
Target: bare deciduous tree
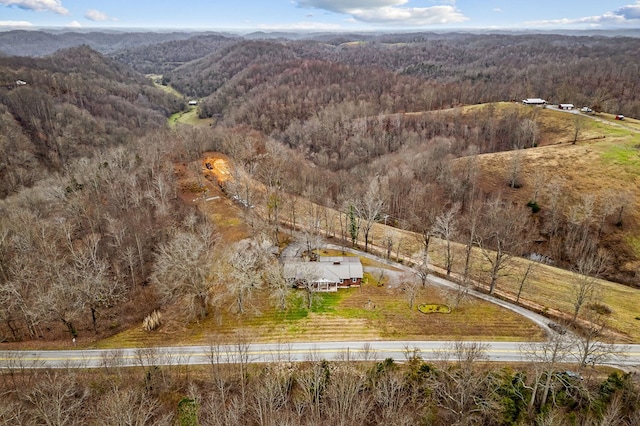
307, 279
514, 170
590, 345
523, 280
460, 389
527, 135
445, 229
391, 399
313, 381
579, 123
369, 208
246, 260
471, 224
183, 268
500, 237
545, 358
270, 395
280, 288
56, 399
130, 407
410, 287
345, 403
97, 289
584, 286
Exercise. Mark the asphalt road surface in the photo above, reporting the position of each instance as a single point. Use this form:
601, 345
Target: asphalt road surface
288, 352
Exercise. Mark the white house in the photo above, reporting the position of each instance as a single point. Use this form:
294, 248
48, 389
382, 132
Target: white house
534, 101
566, 106
326, 274
193, 103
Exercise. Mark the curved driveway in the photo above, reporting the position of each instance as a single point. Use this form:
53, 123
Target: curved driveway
538, 319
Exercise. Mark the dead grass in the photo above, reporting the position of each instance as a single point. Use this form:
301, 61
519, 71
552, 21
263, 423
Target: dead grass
371, 312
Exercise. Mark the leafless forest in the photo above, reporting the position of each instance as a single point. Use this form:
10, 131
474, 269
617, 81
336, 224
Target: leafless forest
93, 235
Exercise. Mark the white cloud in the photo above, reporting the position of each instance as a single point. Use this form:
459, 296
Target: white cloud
630, 12
410, 16
626, 15
97, 16
38, 5
497, 10
389, 12
17, 24
74, 24
345, 6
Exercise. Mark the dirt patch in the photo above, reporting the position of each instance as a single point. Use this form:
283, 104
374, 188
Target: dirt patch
200, 185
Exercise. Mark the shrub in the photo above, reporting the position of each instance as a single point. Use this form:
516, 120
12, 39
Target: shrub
152, 321
535, 208
600, 308
434, 308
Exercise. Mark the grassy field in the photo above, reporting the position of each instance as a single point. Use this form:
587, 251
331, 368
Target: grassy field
371, 312
188, 117
156, 78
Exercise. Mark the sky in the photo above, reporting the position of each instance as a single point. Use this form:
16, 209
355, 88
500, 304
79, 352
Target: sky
321, 15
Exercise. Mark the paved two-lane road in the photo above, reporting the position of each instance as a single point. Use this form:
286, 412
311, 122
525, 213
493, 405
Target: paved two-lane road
288, 352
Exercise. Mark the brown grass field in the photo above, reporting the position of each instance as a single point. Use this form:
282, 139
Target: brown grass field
371, 312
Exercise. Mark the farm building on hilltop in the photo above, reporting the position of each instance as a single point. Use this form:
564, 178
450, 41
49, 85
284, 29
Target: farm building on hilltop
566, 106
326, 274
534, 101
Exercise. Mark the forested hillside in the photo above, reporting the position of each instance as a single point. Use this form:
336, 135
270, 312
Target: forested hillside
163, 57
74, 103
87, 188
468, 68
417, 146
385, 108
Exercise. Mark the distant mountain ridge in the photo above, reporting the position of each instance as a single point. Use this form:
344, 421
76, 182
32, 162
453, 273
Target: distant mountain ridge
42, 43
46, 42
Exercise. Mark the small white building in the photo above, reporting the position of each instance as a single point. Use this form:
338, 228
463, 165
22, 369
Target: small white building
534, 101
193, 103
566, 106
